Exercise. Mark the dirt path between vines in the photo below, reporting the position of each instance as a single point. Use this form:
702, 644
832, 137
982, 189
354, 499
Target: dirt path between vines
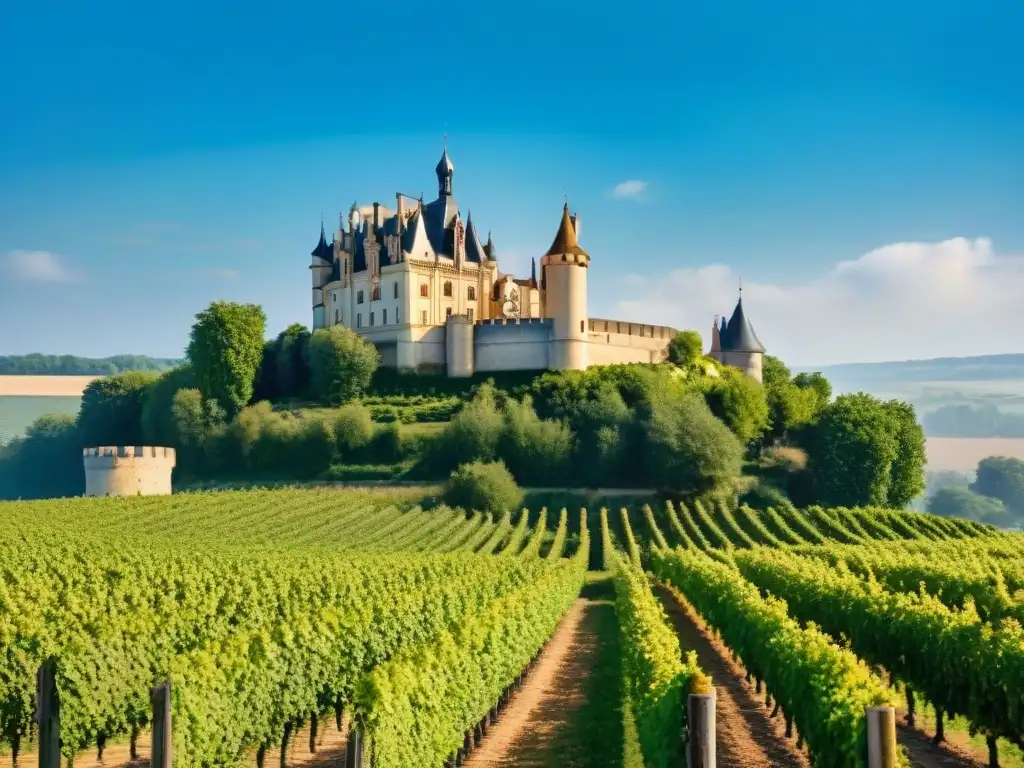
558, 718
746, 736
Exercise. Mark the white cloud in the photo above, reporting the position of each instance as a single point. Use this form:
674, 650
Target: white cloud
37, 267
629, 190
901, 301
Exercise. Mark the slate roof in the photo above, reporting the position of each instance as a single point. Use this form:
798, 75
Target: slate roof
738, 335
323, 249
474, 250
565, 240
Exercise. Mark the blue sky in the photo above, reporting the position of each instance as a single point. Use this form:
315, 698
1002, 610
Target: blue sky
861, 165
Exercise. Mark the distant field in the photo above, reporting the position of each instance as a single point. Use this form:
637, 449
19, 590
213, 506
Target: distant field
44, 386
962, 454
18, 412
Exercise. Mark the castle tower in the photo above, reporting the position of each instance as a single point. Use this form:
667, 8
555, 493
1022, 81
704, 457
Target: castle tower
564, 267
740, 346
716, 341
118, 470
321, 268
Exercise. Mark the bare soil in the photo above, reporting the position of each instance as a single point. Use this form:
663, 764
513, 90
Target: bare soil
544, 723
746, 736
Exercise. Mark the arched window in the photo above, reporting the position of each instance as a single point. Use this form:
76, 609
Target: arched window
448, 290
581, 327
471, 293
376, 293
424, 290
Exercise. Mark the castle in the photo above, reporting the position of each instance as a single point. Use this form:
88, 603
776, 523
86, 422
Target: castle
419, 282
119, 470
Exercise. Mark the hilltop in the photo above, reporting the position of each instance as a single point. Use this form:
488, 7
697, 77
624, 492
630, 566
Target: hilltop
72, 365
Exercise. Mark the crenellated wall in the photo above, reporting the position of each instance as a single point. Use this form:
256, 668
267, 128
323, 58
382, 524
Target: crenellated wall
119, 470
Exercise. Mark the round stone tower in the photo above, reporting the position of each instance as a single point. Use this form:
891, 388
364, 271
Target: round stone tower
118, 470
459, 346
565, 297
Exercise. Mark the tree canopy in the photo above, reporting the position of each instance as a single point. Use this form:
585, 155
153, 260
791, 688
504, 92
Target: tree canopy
1002, 478
342, 364
225, 349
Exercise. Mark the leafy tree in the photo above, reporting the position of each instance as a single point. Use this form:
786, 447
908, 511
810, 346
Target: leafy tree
851, 453
472, 435
265, 385
111, 411
46, 463
292, 360
1001, 477
688, 451
789, 406
954, 501
817, 384
483, 486
70, 365
906, 475
685, 349
225, 350
342, 364
740, 402
158, 426
197, 422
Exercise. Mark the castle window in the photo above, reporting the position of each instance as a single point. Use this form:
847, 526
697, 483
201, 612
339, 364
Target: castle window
424, 290
423, 319
397, 321
448, 312
469, 314
359, 297
581, 326
448, 290
376, 293
471, 293
359, 320
337, 316
371, 319
384, 317
396, 290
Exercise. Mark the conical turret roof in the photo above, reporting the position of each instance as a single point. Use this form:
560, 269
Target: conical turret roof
323, 250
565, 240
739, 335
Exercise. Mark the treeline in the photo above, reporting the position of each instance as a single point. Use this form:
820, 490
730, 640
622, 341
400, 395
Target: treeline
688, 427
972, 421
71, 365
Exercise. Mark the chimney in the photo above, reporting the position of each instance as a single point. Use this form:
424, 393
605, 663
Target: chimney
398, 200
376, 215
575, 218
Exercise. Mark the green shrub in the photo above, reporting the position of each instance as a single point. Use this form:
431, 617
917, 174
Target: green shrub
353, 428
537, 452
483, 486
472, 435
386, 446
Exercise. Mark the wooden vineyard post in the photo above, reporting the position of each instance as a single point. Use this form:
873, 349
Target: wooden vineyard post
356, 755
700, 725
160, 757
881, 737
48, 715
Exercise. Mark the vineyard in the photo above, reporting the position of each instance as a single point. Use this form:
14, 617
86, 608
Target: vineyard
429, 636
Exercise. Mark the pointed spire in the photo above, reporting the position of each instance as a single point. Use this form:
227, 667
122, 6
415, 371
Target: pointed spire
533, 273
741, 336
322, 250
565, 240
445, 170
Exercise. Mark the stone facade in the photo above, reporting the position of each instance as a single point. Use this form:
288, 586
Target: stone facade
128, 470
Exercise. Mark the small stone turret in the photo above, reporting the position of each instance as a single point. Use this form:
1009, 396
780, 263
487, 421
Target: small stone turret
120, 470
564, 270
740, 346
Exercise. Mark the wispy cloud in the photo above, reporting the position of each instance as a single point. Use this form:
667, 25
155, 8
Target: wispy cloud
229, 274
632, 189
901, 301
38, 267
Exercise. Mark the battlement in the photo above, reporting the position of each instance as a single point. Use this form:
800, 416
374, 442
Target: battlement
131, 452
128, 470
